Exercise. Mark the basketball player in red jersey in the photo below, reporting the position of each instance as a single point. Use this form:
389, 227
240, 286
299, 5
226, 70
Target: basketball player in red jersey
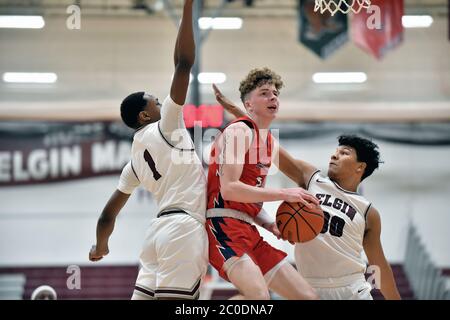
332, 262
240, 160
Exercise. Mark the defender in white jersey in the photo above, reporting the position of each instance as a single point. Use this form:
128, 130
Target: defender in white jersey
174, 256
332, 262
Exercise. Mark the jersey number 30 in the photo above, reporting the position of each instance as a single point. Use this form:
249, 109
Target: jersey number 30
335, 224
152, 165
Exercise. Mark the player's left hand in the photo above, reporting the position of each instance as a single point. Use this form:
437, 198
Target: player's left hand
276, 232
274, 229
97, 254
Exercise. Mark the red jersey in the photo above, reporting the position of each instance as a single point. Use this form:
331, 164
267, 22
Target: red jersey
258, 160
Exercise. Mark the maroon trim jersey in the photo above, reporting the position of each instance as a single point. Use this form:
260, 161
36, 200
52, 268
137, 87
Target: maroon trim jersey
258, 160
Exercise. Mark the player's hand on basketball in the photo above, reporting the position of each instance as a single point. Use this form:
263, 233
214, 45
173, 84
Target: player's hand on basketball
97, 254
276, 232
300, 195
272, 227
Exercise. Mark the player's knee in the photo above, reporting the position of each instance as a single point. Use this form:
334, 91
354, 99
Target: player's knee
305, 294
257, 293
260, 295
311, 294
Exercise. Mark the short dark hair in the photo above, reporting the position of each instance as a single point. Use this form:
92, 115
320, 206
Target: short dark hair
257, 78
366, 151
130, 108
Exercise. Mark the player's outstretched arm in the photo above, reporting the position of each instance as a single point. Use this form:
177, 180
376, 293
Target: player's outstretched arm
105, 224
375, 254
297, 170
127, 183
227, 104
184, 56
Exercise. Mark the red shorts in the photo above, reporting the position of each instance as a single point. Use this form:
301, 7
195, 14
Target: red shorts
229, 237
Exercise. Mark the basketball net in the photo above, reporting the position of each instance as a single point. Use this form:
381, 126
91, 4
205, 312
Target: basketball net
344, 6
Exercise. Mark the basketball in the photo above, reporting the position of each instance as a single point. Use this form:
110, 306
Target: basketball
298, 223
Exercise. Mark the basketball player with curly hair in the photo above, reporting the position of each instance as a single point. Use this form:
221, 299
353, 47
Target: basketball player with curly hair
332, 262
240, 160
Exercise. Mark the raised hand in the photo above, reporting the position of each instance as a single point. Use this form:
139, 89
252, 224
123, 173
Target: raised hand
96, 254
227, 104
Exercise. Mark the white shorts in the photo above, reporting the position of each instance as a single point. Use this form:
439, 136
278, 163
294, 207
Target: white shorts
174, 258
352, 287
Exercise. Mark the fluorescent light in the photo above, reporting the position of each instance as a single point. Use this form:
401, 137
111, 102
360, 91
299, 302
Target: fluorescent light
27, 22
28, 77
220, 23
340, 77
417, 21
212, 77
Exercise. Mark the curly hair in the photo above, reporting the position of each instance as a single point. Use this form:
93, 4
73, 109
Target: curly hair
257, 78
366, 151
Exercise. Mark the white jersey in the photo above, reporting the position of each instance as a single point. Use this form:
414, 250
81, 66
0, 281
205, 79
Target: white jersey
172, 173
336, 251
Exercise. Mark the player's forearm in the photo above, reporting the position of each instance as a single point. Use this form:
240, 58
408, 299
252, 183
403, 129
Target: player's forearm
105, 227
288, 167
105, 224
234, 110
297, 170
241, 192
388, 285
263, 219
185, 44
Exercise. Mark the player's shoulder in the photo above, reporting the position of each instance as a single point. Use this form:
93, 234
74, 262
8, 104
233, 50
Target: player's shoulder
149, 127
317, 178
146, 132
372, 211
373, 218
169, 102
238, 128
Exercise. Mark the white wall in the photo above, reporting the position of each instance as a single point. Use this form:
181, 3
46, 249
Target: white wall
113, 56
55, 224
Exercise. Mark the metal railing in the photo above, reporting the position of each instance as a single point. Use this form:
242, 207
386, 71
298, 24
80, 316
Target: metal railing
425, 277
12, 286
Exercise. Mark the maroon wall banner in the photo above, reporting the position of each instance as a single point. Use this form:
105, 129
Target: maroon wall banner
379, 29
38, 152
321, 33
42, 152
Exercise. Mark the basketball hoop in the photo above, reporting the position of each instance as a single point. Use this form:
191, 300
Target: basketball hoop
344, 6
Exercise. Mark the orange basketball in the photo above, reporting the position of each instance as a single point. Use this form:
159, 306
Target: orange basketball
298, 223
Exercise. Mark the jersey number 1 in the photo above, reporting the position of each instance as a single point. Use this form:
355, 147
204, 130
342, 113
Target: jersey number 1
151, 163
